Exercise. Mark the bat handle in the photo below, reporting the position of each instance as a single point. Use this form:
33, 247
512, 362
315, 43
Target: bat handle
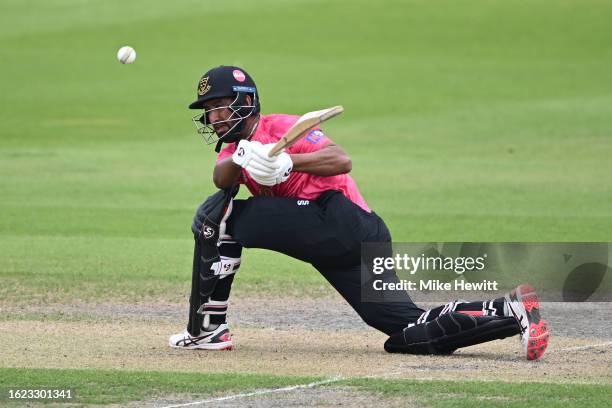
273, 153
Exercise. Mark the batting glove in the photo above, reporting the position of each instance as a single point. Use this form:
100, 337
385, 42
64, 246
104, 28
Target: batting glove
285, 167
244, 152
270, 173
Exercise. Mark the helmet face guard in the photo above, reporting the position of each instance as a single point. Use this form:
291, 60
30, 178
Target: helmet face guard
239, 109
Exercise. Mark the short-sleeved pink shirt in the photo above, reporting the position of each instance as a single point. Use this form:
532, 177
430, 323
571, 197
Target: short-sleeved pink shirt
301, 185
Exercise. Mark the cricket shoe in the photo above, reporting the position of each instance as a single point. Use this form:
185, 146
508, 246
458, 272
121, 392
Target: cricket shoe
524, 305
218, 339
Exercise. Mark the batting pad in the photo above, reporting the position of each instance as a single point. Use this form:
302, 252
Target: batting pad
207, 263
451, 331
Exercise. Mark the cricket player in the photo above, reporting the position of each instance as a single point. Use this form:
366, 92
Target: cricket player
305, 204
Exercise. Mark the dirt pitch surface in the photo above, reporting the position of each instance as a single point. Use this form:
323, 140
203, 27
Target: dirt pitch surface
313, 337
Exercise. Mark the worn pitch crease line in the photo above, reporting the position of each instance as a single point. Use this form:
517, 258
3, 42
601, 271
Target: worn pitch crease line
259, 392
577, 348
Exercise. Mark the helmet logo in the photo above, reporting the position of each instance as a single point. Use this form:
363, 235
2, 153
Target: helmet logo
239, 75
203, 86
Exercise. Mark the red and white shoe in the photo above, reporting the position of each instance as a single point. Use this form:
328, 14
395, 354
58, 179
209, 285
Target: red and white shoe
524, 305
218, 339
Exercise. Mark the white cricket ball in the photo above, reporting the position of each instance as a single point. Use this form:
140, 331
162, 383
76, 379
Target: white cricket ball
126, 55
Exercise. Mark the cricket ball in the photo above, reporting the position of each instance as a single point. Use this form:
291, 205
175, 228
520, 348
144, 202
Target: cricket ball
126, 55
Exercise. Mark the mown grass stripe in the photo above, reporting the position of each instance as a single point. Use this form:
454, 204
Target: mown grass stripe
259, 392
118, 386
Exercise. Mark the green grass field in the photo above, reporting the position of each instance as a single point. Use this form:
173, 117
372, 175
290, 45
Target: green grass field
466, 121
107, 387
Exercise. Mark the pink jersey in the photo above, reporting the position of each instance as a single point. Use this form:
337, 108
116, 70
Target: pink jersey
301, 185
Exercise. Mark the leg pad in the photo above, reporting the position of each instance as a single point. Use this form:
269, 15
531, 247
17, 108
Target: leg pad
450, 331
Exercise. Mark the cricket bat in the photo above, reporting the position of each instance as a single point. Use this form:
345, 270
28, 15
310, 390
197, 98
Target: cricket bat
306, 122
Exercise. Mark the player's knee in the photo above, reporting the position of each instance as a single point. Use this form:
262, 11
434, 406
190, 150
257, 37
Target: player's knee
214, 209
201, 214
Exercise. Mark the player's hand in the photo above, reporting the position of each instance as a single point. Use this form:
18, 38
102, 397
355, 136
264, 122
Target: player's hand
244, 152
285, 167
269, 171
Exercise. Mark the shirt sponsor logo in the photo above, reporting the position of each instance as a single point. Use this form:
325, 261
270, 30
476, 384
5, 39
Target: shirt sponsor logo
303, 202
314, 136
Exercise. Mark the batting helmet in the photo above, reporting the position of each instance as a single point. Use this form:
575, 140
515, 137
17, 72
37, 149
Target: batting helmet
225, 82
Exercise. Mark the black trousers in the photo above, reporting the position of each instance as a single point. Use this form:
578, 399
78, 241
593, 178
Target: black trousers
328, 234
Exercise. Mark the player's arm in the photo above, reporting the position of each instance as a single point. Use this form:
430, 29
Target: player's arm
226, 173
330, 160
